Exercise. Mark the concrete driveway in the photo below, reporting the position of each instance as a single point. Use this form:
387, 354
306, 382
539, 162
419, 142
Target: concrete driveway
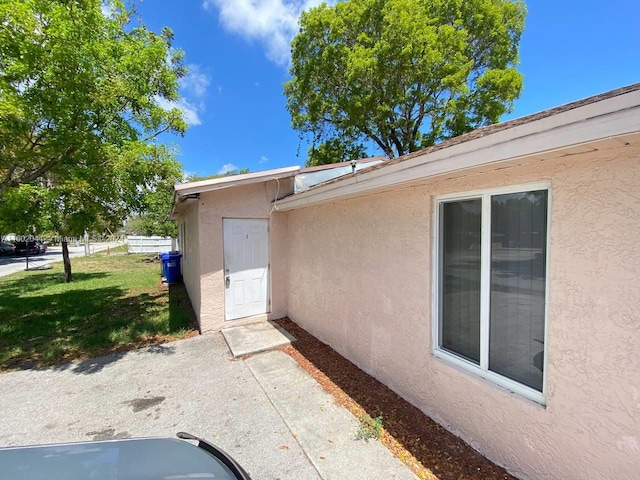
264, 410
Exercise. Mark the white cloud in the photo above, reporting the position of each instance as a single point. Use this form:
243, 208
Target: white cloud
189, 111
193, 88
263, 159
195, 83
273, 22
226, 168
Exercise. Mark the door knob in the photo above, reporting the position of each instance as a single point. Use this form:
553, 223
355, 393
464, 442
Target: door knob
227, 281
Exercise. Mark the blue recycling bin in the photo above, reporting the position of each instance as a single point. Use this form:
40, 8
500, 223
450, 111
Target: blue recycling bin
163, 264
172, 267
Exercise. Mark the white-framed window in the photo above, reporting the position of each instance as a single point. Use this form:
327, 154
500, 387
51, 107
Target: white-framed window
491, 285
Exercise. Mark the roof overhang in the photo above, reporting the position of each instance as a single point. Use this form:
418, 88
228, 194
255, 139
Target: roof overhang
234, 180
187, 193
601, 118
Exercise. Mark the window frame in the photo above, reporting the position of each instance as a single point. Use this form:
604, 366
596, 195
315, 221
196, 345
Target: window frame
482, 370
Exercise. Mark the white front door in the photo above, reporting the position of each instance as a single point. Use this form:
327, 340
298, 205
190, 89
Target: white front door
246, 267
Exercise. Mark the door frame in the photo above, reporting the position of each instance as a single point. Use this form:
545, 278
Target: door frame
224, 269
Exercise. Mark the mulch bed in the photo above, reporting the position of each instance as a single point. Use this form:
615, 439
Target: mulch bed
427, 448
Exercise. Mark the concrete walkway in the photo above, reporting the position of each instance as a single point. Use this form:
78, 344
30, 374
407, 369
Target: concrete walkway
264, 410
326, 432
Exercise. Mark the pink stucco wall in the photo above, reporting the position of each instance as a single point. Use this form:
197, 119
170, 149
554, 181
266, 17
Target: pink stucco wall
190, 262
359, 278
250, 201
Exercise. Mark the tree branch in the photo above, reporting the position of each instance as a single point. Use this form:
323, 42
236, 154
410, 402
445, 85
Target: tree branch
48, 165
385, 148
151, 137
396, 141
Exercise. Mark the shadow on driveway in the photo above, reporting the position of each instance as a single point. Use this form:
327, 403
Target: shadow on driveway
94, 365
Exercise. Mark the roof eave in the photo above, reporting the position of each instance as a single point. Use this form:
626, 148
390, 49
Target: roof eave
233, 181
612, 117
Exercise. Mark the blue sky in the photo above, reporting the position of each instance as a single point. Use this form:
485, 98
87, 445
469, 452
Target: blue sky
237, 52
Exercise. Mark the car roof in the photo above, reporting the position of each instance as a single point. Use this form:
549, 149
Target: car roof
128, 459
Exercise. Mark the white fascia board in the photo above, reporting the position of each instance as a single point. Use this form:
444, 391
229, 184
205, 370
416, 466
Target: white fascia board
610, 118
233, 181
179, 208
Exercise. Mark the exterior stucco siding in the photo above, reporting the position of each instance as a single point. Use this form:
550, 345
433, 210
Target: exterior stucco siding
190, 261
359, 278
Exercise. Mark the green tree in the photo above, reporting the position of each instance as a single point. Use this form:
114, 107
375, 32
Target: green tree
334, 150
134, 226
156, 219
404, 74
154, 216
21, 210
138, 180
83, 98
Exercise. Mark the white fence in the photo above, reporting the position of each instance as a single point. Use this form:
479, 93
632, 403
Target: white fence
139, 244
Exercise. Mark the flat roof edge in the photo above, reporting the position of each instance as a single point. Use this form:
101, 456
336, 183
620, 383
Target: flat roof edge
233, 180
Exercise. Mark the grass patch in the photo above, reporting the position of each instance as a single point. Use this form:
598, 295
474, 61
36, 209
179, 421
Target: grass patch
114, 304
370, 428
119, 250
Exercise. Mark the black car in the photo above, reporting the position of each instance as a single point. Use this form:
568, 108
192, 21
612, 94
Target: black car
7, 248
130, 459
30, 247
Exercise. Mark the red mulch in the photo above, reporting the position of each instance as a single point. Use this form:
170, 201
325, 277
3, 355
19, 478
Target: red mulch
427, 448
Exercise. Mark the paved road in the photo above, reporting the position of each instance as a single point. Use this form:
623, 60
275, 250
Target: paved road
265, 411
9, 265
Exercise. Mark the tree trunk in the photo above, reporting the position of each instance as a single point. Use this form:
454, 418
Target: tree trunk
67, 262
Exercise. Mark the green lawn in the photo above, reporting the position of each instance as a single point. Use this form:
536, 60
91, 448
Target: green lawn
114, 304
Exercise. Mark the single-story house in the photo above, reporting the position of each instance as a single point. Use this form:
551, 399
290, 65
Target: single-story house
492, 280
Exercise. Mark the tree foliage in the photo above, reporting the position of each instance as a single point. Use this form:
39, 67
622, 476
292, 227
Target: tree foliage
83, 97
155, 218
142, 188
75, 83
138, 181
404, 74
334, 150
154, 215
21, 208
